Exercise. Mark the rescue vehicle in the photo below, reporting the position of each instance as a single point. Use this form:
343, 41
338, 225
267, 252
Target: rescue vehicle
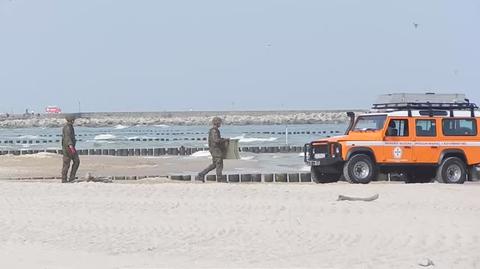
423, 137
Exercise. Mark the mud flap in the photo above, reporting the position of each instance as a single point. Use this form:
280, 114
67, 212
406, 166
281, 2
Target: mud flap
474, 173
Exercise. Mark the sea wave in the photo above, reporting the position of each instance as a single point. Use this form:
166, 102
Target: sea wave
29, 137
121, 127
105, 137
134, 138
204, 153
40, 155
102, 142
243, 139
162, 126
305, 169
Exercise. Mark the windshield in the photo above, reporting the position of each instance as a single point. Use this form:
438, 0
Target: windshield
370, 123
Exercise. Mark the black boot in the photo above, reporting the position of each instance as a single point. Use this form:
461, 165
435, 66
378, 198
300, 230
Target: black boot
200, 178
221, 178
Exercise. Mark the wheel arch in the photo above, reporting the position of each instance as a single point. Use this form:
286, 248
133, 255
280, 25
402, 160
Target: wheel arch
447, 153
361, 150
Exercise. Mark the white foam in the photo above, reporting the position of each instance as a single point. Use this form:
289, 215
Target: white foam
162, 126
243, 139
204, 153
29, 137
40, 155
121, 127
100, 142
248, 158
305, 169
105, 137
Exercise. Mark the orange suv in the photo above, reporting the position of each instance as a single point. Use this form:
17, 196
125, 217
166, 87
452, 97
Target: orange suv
420, 137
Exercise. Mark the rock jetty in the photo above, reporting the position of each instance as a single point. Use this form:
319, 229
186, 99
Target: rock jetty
178, 118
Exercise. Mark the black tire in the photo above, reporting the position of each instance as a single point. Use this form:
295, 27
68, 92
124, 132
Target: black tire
319, 177
355, 176
452, 171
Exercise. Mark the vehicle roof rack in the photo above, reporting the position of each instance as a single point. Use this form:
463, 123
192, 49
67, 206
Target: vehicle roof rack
427, 105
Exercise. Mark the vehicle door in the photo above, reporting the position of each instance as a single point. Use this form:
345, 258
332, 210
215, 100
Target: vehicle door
427, 144
398, 141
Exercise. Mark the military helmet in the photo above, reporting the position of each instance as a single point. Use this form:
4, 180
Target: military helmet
216, 121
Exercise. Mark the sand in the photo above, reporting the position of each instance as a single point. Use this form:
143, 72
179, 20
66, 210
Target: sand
157, 223
215, 225
50, 165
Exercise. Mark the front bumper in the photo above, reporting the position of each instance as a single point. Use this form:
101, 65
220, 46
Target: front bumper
312, 157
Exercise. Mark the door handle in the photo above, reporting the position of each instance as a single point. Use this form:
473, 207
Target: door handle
434, 147
408, 147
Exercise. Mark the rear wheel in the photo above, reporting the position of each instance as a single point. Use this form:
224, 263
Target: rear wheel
360, 169
320, 177
452, 171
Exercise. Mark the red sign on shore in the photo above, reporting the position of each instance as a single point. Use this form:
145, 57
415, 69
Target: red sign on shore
53, 110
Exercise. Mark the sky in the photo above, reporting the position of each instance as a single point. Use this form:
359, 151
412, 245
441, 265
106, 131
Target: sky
155, 55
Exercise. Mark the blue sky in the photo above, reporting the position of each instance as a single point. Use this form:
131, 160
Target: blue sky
153, 55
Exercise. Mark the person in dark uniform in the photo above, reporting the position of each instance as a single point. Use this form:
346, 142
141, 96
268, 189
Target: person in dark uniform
217, 147
69, 151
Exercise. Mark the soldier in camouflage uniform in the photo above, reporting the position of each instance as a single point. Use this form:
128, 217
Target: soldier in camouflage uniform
217, 148
69, 152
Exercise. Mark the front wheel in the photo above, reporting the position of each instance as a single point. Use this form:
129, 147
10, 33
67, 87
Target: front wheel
452, 171
360, 169
320, 177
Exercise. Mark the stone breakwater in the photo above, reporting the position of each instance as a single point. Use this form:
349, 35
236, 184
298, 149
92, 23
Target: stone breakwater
179, 118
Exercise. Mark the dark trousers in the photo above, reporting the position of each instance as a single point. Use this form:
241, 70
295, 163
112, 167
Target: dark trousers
67, 159
217, 163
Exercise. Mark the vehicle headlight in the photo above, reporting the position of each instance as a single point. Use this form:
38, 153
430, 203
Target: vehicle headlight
336, 150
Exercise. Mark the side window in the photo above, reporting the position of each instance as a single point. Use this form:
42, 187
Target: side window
397, 128
426, 128
459, 127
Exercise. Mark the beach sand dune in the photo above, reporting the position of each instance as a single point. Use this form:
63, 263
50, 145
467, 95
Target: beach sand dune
187, 225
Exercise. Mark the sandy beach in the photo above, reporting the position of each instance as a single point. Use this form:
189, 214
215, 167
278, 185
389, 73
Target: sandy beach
50, 165
160, 224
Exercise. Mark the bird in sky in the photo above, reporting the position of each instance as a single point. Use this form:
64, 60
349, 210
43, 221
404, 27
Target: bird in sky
415, 25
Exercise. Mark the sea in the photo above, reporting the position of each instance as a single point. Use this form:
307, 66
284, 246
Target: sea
164, 136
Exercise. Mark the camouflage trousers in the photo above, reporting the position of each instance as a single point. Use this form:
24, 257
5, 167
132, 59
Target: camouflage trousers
217, 163
67, 159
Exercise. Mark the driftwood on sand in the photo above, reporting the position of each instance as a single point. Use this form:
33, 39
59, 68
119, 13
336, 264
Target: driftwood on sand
426, 263
366, 199
89, 177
